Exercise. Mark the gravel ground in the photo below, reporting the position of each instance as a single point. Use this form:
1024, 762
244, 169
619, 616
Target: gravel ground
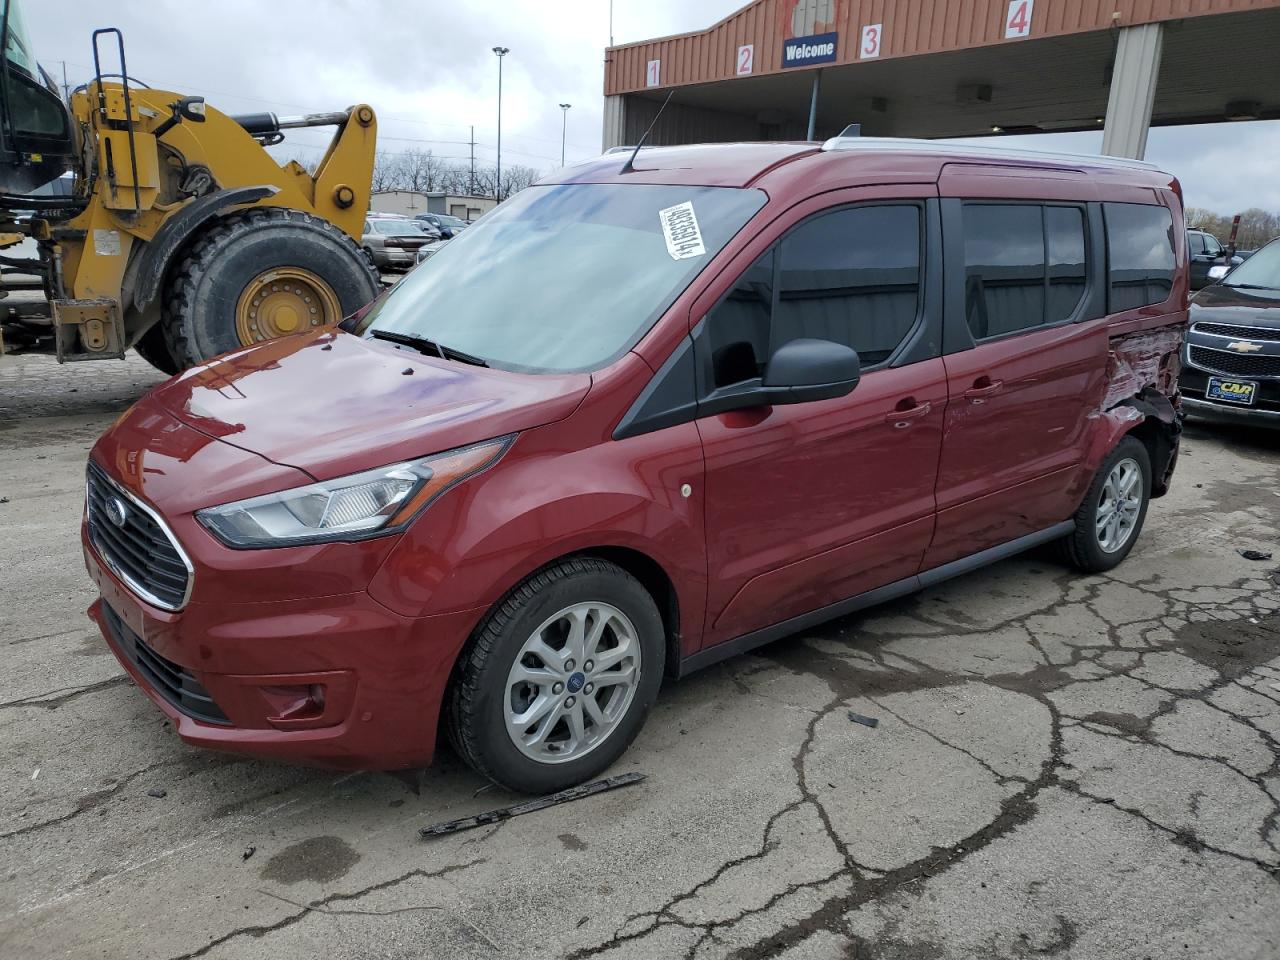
1081, 767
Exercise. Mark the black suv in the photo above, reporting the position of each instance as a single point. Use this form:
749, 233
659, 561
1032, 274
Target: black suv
1231, 363
1204, 252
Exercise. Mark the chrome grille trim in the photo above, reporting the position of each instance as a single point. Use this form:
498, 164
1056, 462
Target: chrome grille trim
96, 473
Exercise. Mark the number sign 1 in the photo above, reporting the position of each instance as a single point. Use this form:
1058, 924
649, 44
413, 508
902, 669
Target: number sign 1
653, 75
872, 34
1017, 22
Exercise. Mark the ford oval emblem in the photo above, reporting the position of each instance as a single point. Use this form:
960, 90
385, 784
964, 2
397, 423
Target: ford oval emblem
116, 511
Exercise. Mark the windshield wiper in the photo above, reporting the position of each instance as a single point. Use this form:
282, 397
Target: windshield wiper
1249, 286
428, 347
461, 357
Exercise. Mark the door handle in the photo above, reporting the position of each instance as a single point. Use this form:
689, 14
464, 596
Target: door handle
903, 418
982, 388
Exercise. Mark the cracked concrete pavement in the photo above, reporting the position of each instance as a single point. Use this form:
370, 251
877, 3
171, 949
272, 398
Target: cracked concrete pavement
1080, 767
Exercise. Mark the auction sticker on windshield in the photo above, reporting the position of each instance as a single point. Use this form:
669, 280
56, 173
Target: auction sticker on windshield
680, 228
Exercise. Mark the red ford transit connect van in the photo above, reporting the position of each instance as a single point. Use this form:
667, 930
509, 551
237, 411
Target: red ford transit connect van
634, 422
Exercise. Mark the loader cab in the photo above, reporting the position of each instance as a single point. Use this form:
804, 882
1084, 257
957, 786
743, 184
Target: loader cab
37, 142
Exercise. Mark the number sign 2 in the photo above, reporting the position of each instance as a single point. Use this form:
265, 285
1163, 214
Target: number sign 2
746, 58
1017, 22
872, 34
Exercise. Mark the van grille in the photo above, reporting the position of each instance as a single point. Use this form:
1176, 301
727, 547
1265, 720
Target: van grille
172, 682
138, 550
1235, 364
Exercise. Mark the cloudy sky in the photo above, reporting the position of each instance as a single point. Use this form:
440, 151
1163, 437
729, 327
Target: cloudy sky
427, 68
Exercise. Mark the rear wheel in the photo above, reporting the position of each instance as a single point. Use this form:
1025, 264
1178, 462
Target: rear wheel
258, 275
559, 678
1111, 516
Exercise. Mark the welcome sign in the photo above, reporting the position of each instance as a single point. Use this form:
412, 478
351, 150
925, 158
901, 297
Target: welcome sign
807, 51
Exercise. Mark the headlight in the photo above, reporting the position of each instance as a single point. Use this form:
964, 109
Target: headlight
349, 508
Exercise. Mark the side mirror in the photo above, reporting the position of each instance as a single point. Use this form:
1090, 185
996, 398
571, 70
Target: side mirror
805, 370
798, 372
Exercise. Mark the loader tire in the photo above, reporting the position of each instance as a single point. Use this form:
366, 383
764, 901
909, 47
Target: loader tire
213, 296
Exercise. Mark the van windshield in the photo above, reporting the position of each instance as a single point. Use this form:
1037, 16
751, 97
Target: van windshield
566, 277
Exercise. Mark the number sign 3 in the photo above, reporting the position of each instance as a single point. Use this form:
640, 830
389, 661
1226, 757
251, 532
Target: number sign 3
872, 34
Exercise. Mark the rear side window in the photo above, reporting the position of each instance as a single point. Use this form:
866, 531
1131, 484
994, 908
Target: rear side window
1025, 266
851, 276
1140, 260
1004, 268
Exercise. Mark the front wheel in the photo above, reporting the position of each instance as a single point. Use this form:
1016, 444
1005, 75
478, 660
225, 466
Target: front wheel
1111, 516
559, 678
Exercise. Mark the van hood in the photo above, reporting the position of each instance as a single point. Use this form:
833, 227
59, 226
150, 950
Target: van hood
330, 403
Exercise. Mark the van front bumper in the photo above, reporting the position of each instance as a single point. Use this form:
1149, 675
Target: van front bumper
338, 681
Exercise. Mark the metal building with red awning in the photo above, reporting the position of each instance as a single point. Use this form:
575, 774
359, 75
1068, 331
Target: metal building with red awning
791, 69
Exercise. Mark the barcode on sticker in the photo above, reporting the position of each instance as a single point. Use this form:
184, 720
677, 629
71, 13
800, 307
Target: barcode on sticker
680, 228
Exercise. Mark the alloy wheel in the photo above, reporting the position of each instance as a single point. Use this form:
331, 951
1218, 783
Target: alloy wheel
1119, 505
572, 682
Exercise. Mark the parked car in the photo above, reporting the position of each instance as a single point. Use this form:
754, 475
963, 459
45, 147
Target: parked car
1206, 254
631, 425
1231, 367
430, 250
392, 242
448, 226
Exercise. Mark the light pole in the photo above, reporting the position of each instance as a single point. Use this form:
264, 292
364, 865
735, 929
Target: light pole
497, 190
564, 124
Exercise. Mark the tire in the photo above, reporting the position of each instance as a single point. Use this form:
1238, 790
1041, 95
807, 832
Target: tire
483, 693
204, 289
153, 349
1087, 548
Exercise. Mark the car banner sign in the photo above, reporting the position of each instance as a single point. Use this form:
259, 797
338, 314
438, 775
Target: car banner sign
807, 51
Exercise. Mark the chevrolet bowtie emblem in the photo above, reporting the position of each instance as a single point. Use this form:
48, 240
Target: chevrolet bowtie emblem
1243, 346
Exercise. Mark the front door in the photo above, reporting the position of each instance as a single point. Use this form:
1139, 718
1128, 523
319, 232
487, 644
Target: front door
811, 503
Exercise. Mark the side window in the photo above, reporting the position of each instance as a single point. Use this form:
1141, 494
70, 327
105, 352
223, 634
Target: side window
1140, 260
1195, 244
851, 275
1212, 246
1064, 240
1004, 265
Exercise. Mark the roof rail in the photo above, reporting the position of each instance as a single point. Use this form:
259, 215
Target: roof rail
995, 153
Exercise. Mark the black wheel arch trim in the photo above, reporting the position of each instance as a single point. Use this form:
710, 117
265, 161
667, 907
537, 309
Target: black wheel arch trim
1161, 430
154, 261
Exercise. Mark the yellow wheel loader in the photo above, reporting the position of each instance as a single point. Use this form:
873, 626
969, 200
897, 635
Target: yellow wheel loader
179, 236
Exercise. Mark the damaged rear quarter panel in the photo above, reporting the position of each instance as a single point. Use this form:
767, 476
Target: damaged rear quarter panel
1150, 358
1142, 378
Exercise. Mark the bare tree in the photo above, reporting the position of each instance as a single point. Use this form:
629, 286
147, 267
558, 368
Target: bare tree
516, 178
386, 175
1257, 226
1198, 218
423, 172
